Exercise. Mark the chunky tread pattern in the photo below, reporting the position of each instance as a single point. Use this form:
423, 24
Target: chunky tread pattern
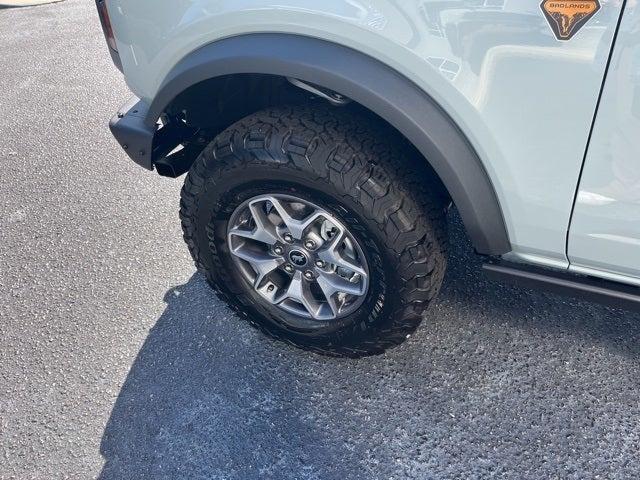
357, 157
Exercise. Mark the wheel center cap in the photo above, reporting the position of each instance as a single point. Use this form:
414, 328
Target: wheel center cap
298, 258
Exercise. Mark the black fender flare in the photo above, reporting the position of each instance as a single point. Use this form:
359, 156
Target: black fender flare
374, 85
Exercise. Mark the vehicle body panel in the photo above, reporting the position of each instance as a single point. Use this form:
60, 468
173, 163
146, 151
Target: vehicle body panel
524, 100
368, 82
605, 230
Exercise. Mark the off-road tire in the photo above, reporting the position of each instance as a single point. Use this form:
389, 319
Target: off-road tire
354, 167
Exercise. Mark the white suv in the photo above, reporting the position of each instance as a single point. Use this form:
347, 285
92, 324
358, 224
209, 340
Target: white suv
325, 141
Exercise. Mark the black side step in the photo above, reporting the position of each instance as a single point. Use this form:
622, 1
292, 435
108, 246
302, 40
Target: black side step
566, 283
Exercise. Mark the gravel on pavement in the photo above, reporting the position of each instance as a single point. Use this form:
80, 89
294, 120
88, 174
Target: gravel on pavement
118, 362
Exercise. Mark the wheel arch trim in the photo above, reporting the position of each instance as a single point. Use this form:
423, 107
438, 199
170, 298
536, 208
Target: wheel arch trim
374, 85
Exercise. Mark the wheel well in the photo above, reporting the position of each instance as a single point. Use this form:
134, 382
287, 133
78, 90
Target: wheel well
209, 107
360, 77
216, 103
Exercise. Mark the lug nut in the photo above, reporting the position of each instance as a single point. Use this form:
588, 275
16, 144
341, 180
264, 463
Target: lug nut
288, 268
320, 264
288, 238
308, 275
309, 244
271, 288
278, 250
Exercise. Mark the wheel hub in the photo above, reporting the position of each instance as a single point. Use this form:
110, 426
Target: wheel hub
298, 257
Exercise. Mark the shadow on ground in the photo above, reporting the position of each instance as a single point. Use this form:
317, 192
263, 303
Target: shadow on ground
498, 380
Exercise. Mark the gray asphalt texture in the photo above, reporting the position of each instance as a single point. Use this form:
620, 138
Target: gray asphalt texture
118, 362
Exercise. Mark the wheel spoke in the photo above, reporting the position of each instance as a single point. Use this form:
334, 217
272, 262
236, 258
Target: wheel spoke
264, 231
300, 292
294, 226
262, 263
329, 294
332, 283
331, 255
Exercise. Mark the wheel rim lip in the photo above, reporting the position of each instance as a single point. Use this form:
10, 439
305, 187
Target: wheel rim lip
286, 305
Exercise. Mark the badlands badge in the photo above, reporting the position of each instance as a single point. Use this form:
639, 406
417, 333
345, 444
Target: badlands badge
566, 18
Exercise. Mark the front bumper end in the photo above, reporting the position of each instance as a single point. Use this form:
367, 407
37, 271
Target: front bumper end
170, 149
133, 133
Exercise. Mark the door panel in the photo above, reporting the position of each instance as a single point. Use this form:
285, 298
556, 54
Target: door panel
605, 230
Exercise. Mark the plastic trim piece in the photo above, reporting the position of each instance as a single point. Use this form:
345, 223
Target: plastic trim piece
372, 84
565, 282
133, 134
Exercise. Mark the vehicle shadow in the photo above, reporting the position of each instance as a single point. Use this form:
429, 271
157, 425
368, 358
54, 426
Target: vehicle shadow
199, 392
466, 287
209, 397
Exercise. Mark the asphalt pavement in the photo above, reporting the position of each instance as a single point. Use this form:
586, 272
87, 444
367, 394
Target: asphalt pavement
118, 362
